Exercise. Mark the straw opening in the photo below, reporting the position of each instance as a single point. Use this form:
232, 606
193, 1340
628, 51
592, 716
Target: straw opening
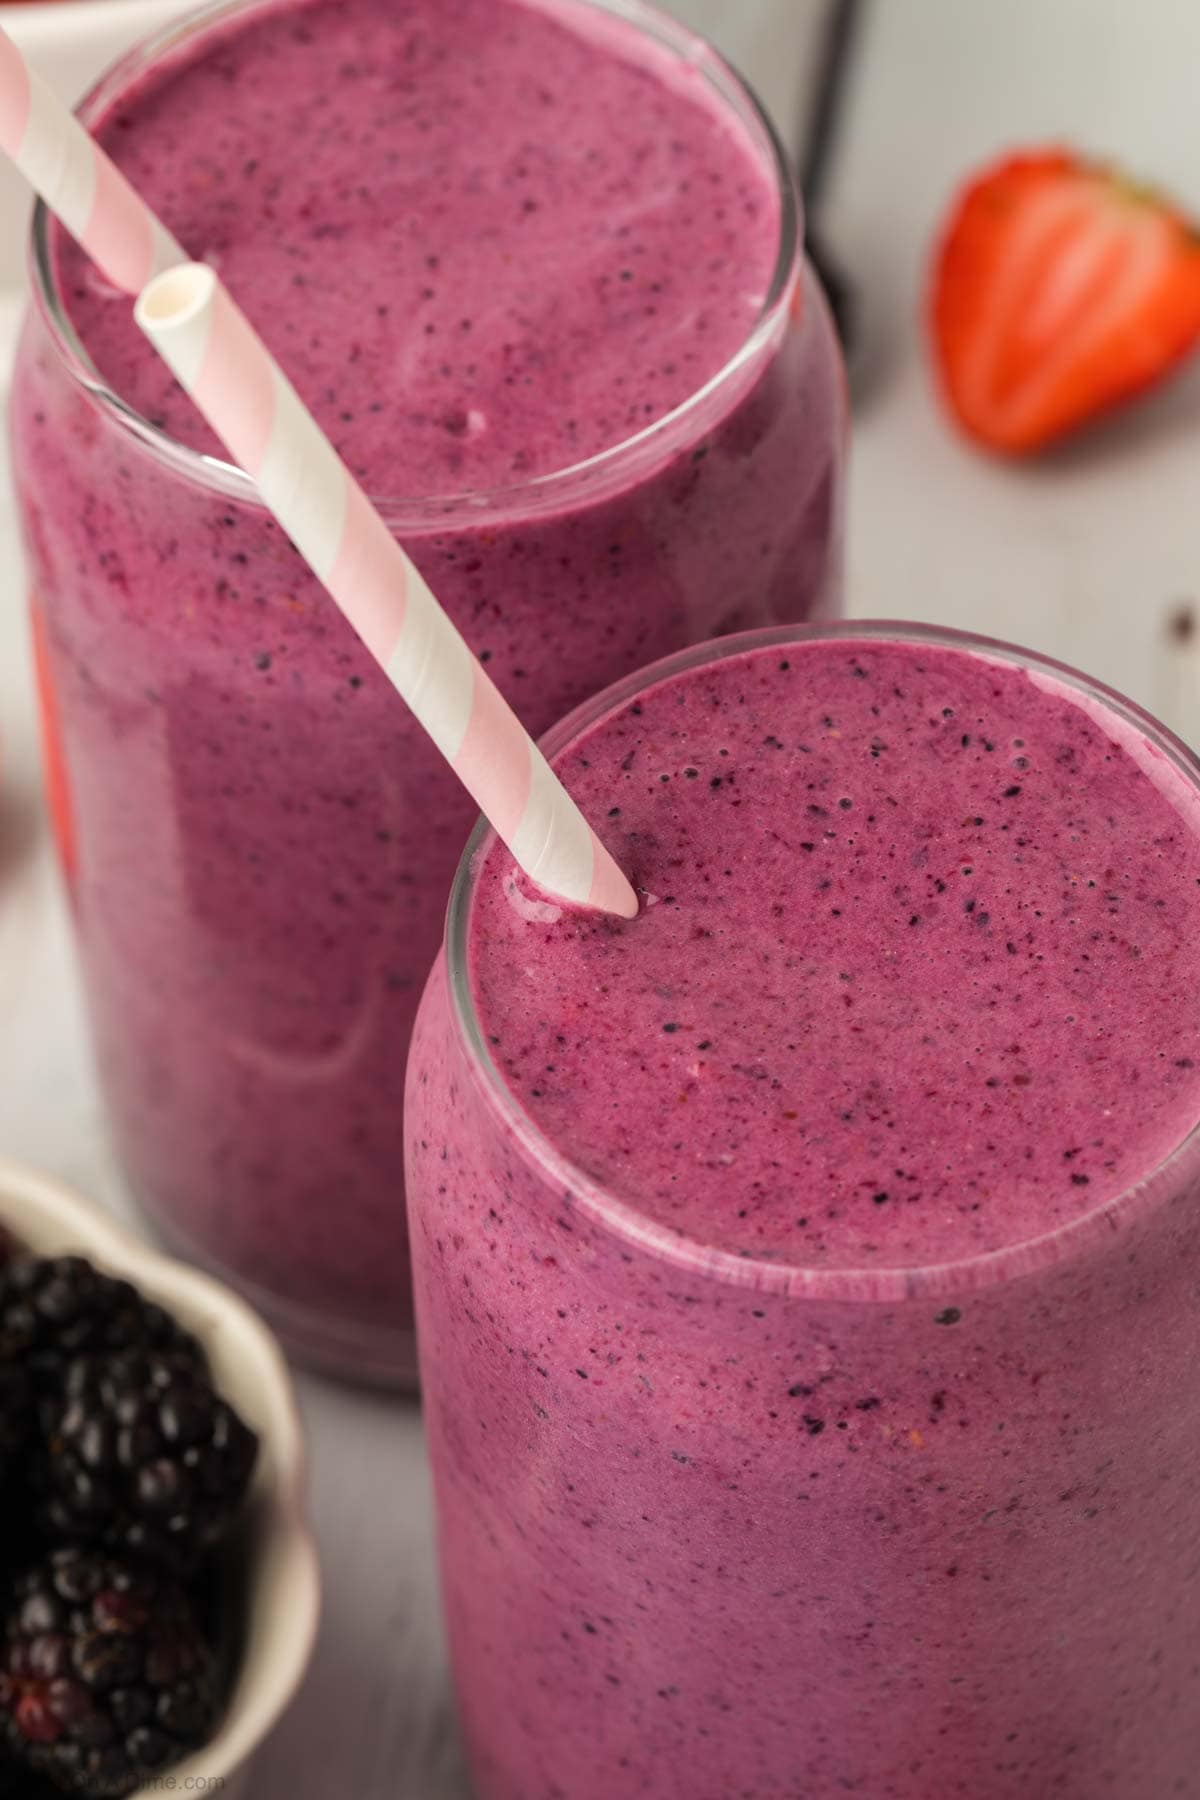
176, 297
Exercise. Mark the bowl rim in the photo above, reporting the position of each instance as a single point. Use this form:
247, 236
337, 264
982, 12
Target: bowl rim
29, 1198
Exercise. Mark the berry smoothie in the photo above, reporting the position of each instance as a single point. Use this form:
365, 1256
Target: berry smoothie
807, 1271
534, 267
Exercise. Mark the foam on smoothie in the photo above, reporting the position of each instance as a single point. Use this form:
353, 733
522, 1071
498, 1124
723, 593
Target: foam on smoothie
487, 244
918, 977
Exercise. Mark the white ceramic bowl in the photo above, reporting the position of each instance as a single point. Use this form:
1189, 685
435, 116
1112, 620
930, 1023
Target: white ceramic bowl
277, 1549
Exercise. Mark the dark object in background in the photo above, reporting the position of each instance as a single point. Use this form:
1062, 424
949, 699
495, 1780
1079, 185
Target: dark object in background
815, 155
838, 290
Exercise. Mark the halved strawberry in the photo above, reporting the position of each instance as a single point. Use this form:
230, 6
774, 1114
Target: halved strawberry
1059, 291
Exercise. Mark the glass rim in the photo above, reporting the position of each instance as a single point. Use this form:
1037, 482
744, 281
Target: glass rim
777, 1276
521, 498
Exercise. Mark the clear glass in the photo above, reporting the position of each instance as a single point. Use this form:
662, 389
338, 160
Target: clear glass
258, 867
989, 1585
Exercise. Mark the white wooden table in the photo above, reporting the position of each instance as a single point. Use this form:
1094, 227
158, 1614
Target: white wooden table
1089, 558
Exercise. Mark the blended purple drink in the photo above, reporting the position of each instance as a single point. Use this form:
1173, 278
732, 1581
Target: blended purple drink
807, 1271
534, 260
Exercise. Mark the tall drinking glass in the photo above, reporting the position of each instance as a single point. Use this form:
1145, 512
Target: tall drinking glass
808, 1272
540, 262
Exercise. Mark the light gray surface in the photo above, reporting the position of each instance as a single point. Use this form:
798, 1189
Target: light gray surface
1087, 558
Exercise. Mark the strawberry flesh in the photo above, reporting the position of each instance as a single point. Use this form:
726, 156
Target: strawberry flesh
1060, 292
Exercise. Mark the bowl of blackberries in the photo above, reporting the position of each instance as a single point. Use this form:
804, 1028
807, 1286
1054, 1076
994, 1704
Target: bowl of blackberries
159, 1590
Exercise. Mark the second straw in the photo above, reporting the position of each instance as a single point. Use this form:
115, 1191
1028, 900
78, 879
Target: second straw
218, 358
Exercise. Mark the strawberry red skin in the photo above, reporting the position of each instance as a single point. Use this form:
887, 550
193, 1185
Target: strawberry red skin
1059, 293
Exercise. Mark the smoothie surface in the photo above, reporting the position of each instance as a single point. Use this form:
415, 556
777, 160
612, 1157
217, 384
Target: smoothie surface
917, 973
486, 240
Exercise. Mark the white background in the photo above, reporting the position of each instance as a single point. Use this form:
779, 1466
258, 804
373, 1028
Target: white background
1087, 557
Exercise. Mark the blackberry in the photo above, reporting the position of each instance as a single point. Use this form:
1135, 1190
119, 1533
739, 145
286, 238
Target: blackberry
16, 1422
140, 1454
105, 1677
53, 1308
17, 1783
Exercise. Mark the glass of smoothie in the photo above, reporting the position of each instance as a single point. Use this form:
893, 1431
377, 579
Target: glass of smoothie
808, 1271
536, 268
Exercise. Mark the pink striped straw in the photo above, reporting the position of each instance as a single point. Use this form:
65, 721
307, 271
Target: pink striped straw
220, 361
77, 181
